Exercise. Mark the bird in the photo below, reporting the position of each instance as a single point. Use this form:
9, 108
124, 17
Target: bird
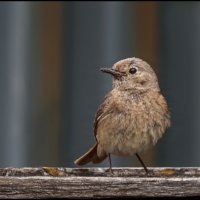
132, 116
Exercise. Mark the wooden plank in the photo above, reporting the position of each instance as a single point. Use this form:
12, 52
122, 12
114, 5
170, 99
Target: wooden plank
98, 182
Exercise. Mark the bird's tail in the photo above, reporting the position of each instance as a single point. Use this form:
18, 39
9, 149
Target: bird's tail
90, 156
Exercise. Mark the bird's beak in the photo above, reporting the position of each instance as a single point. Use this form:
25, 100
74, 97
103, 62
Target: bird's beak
113, 72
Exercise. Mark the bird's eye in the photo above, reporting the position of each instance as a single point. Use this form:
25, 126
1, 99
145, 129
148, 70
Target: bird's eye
132, 70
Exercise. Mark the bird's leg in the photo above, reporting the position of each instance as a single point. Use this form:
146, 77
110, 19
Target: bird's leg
142, 163
110, 163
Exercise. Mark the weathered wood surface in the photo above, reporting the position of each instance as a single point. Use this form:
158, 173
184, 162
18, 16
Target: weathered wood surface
47, 182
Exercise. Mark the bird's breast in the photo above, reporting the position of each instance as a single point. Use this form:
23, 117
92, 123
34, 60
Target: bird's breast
134, 125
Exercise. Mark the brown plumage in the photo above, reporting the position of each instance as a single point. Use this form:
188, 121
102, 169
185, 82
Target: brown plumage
133, 115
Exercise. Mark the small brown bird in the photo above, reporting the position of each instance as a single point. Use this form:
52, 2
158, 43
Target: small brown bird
133, 115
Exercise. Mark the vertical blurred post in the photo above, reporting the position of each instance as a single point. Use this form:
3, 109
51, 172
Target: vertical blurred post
196, 89
179, 61
146, 44
15, 25
50, 26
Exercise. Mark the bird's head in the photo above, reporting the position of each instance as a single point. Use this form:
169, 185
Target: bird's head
133, 73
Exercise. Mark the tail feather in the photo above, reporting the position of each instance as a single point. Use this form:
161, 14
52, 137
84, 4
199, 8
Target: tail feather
90, 156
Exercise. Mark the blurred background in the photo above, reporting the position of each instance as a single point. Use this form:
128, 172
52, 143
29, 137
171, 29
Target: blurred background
51, 86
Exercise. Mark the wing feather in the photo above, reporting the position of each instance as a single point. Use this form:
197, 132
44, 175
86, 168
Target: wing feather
101, 112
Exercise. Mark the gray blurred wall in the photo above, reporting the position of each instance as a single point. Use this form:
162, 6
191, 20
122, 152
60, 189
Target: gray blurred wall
94, 35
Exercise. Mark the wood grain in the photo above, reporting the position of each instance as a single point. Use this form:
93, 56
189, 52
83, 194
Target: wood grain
48, 182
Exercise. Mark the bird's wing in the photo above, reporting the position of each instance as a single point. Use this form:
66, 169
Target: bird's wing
101, 112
